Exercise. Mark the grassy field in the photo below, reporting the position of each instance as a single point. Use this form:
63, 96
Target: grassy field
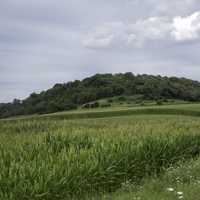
180, 182
189, 109
149, 152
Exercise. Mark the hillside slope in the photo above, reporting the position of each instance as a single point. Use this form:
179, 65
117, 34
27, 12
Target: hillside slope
69, 95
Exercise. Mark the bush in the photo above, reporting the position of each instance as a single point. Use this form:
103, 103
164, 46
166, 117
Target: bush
142, 104
105, 105
110, 100
122, 98
159, 102
138, 101
86, 105
165, 100
94, 105
91, 105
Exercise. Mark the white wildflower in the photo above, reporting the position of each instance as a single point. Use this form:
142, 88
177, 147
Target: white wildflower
180, 193
170, 189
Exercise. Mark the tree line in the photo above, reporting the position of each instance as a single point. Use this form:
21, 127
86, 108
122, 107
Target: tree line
70, 95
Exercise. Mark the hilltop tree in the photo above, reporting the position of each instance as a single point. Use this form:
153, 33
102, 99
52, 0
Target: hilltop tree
72, 94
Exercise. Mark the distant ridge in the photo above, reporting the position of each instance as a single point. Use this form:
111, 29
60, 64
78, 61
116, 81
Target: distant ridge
69, 95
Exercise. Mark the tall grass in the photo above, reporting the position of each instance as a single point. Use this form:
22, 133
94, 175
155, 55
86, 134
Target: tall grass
64, 160
178, 182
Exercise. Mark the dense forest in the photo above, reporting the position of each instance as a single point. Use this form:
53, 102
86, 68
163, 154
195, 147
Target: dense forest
70, 95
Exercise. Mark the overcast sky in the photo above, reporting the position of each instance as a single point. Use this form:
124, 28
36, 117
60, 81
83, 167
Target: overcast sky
43, 42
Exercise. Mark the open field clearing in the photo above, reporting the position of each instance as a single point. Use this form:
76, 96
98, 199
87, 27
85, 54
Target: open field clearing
182, 109
47, 159
179, 109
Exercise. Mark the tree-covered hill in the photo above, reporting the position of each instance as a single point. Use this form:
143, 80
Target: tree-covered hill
72, 94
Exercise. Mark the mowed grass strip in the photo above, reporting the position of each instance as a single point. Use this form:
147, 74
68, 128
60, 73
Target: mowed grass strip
150, 111
182, 109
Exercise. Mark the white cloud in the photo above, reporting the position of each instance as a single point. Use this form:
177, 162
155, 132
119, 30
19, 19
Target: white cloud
131, 34
153, 28
98, 42
170, 7
186, 28
104, 36
131, 38
101, 38
143, 31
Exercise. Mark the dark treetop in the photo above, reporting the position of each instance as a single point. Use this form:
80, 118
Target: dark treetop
72, 94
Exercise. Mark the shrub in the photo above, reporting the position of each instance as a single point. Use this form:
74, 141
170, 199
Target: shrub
94, 105
122, 98
138, 101
159, 102
86, 105
142, 104
110, 100
104, 105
